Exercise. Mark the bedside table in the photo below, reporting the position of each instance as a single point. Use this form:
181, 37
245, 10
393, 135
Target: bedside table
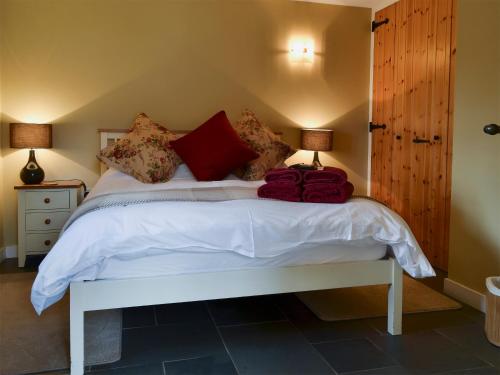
42, 211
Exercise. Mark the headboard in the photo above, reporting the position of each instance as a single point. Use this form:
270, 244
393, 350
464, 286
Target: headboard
110, 136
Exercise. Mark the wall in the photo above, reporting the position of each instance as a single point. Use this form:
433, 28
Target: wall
83, 65
475, 210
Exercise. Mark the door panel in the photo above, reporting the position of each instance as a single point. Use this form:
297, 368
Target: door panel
401, 158
437, 226
383, 96
412, 97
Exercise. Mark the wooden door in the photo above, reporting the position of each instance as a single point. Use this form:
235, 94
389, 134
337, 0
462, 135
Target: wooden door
412, 98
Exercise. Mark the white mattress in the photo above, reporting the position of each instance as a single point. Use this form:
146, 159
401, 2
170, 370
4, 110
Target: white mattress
194, 261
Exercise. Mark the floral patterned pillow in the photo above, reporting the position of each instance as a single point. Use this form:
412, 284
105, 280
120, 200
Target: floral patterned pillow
272, 150
144, 153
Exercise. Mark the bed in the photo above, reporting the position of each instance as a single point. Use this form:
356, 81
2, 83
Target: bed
130, 244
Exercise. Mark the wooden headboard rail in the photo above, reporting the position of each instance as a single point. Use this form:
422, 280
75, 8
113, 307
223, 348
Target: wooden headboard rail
109, 136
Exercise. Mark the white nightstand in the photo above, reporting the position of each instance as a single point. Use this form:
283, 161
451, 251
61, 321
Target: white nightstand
42, 211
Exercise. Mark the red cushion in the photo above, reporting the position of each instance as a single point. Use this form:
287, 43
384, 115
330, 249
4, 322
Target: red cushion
214, 149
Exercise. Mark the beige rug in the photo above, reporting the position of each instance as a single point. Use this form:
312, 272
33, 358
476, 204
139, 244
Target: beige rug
371, 301
31, 343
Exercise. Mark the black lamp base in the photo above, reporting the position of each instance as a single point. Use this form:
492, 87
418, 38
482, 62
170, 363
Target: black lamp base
32, 174
316, 161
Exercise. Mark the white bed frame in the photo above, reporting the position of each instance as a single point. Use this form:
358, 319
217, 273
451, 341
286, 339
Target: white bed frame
111, 294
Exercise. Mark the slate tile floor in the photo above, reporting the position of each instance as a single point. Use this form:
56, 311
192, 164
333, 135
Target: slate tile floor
279, 335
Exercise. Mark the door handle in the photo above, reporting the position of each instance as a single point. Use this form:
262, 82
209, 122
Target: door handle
373, 126
491, 129
420, 140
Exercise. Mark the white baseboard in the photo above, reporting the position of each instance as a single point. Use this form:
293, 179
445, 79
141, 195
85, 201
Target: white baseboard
465, 294
10, 251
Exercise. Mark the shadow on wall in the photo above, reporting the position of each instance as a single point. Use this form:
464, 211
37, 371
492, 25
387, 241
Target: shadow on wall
345, 65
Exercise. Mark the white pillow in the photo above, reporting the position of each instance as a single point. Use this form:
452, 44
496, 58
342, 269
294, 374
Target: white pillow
183, 173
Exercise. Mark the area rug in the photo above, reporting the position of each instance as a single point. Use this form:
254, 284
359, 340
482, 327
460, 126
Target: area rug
371, 301
31, 343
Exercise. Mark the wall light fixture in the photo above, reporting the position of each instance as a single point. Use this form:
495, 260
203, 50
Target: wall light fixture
301, 50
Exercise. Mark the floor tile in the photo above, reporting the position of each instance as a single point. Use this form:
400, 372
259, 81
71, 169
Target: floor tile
168, 343
317, 330
476, 371
142, 316
472, 338
244, 310
393, 370
175, 313
353, 355
472, 313
427, 353
153, 369
209, 365
427, 321
272, 348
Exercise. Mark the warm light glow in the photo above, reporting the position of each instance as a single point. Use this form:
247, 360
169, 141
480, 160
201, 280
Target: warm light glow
301, 50
308, 123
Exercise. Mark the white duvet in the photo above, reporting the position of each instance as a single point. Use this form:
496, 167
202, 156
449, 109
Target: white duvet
254, 228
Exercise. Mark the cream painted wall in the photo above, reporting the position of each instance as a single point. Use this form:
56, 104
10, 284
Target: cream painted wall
475, 214
82, 65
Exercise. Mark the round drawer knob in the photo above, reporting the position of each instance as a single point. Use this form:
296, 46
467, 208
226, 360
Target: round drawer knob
47, 200
47, 242
47, 221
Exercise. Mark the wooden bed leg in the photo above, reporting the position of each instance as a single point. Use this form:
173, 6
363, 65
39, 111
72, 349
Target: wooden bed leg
76, 332
395, 308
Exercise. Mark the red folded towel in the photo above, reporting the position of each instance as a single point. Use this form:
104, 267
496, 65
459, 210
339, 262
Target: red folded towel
326, 175
284, 175
283, 191
327, 192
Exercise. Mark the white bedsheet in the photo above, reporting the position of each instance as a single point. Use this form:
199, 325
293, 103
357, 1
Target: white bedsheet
253, 228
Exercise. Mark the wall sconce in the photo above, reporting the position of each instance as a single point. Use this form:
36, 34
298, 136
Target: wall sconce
301, 50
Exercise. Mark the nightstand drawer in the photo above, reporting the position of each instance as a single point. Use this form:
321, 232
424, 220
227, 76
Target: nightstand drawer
37, 221
40, 242
47, 200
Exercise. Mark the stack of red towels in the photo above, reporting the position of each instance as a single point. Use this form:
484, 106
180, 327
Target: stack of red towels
283, 184
329, 185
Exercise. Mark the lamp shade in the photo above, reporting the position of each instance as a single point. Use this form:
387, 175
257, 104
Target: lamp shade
30, 135
316, 139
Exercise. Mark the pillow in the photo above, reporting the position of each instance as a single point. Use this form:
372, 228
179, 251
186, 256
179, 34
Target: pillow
183, 173
272, 150
144, 153
214, 149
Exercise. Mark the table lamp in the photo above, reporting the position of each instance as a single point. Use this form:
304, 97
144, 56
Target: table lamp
316, 140
31, 136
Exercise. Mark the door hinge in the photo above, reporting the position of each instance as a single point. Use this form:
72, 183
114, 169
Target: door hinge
376, 24
373, 126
